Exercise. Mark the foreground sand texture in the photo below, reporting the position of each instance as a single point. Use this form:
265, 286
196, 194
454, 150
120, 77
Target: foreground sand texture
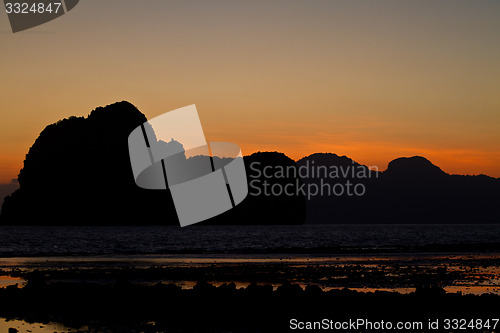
244, 293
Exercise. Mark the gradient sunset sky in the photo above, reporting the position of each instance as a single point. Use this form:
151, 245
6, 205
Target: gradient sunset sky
373, 80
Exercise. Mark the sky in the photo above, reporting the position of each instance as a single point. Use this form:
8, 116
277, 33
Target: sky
373, 80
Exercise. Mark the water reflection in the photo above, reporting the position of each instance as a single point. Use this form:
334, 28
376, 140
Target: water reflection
21, 326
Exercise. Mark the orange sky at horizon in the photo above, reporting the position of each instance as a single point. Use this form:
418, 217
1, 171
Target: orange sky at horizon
372, 80
271, 138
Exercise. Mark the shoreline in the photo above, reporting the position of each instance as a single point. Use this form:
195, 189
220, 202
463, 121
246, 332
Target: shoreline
128, 308
475, 273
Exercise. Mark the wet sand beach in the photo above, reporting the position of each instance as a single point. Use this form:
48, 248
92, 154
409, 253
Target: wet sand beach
455, 272
237, 283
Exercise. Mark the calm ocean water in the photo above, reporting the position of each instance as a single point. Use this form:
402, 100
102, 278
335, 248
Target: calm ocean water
307, 239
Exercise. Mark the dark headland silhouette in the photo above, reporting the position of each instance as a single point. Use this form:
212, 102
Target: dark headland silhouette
411, 190
78, 173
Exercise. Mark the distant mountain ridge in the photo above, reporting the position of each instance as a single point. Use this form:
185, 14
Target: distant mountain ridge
417, 166
78, 172
410, 190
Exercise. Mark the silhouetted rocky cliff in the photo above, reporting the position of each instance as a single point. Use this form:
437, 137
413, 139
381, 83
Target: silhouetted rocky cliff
267, 201
78, 172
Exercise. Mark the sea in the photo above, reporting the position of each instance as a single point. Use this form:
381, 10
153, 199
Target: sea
47, 241
470, 252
